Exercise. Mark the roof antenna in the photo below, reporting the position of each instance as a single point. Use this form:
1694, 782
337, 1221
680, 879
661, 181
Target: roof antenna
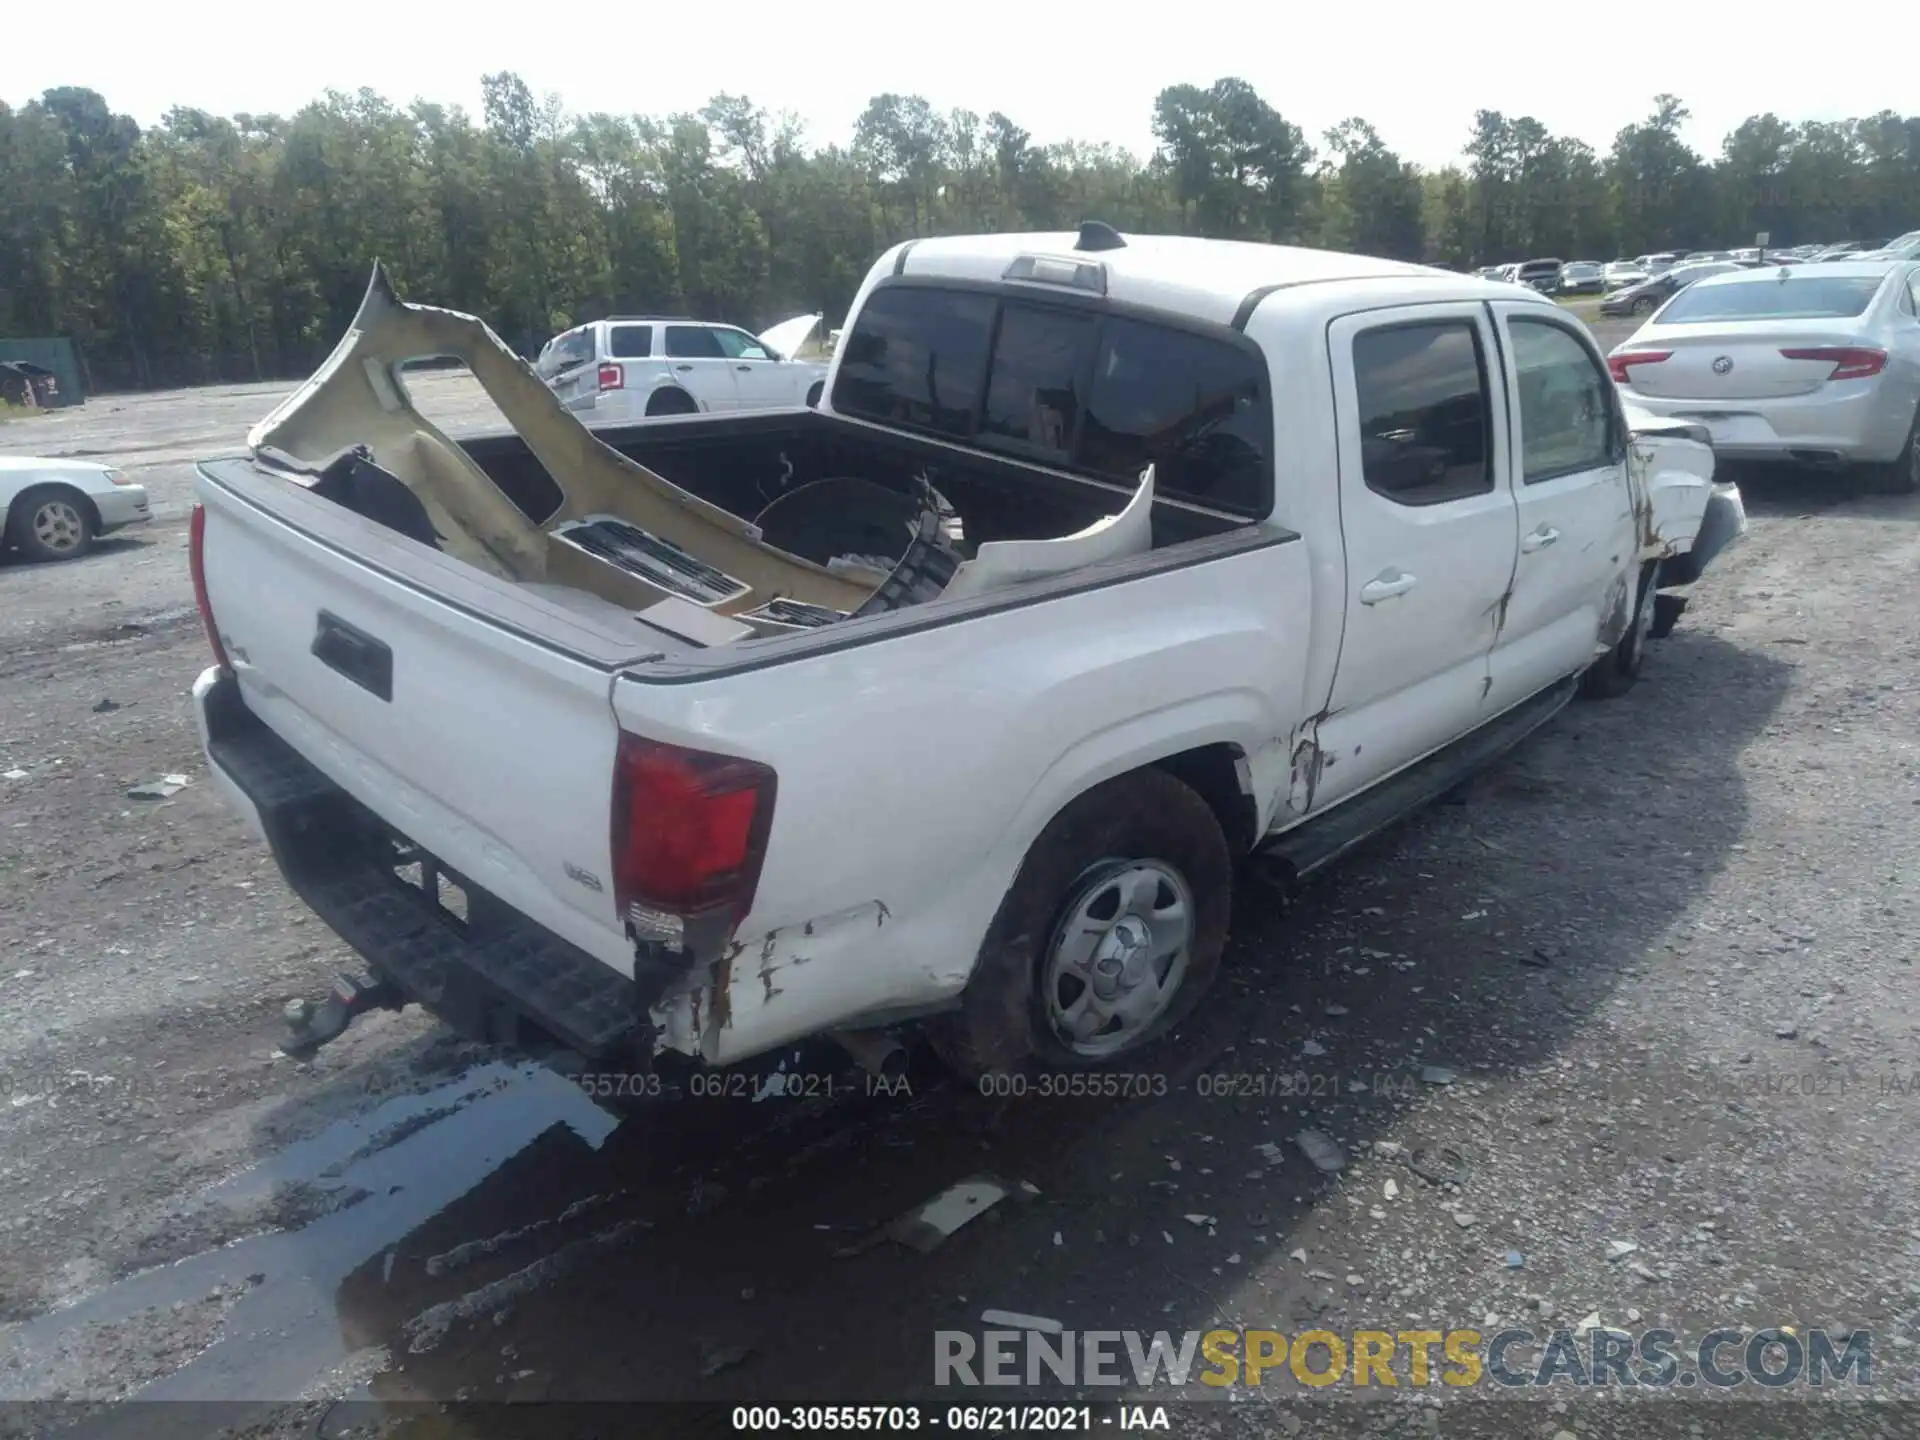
1098, 235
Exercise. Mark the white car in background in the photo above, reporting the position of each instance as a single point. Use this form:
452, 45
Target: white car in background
627, 368
1901, 247
1815, 364
55, 509
1619, 274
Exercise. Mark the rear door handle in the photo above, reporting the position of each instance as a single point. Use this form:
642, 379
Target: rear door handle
1386, 586
747, 368
683, 367
1539, 539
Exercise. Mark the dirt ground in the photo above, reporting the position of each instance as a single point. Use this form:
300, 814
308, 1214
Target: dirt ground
1662, 956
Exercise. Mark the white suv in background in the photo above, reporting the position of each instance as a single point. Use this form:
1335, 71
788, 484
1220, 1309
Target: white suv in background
631, 367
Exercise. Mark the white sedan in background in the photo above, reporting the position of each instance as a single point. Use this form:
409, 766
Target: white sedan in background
55, 509
1815, 364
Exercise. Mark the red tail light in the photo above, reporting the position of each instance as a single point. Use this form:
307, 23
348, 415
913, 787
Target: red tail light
197, 567
689, 835
1849, 362
1620, 366
612, 377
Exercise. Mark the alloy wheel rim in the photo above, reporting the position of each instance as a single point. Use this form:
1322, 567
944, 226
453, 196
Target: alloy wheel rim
1118, 956
58, 526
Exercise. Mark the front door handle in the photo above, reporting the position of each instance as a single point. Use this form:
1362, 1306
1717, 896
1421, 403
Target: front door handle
1539, 539
1387, 585
747, 368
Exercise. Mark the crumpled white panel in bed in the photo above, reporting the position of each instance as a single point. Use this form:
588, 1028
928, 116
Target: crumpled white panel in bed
1009, 562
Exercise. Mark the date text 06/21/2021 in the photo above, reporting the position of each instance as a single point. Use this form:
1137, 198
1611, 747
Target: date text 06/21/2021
957, 1419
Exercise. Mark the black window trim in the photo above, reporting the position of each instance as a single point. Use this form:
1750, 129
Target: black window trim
1517, 441
1102, 307
1470, 319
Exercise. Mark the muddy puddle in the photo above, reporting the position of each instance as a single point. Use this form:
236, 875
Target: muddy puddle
500, 1235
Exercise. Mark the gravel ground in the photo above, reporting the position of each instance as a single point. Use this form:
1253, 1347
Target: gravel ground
1661, 957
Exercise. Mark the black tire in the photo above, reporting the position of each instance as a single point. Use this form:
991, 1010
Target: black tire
1667, 610
1644, 305
1900, 476
1614, 673
1143, 818
814, 394
51, 522
671, 402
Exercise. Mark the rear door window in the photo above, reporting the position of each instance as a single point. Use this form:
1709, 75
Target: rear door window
1424, 408
693, 342
630, 342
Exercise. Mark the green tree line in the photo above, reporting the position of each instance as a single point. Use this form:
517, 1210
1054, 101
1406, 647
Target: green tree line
230, 248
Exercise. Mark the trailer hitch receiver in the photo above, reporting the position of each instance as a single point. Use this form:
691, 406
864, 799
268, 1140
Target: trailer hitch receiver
309, 1026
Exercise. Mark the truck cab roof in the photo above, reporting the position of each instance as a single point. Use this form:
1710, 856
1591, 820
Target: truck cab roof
1220, 281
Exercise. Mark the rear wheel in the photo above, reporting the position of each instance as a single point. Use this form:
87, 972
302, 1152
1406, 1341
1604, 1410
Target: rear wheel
671, 402
1614, 673
51, 523
1645, 305
1901, 476
1109, 938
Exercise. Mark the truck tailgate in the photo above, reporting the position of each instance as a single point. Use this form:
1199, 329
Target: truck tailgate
484, 747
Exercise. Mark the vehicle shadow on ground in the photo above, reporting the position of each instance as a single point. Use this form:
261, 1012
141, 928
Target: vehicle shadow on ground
1794, 491
105, 548
711, 1247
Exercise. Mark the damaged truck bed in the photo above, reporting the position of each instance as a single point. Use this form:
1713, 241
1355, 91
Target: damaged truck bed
1104, 563
576, 517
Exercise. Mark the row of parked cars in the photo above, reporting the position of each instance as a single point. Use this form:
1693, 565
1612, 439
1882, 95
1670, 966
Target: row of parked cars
1812, 361
1643, 282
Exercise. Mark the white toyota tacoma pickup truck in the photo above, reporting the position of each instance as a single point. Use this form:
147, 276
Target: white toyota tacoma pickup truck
1104, 563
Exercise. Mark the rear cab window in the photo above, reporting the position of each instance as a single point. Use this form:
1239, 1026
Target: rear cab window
1079, 388
1798, 297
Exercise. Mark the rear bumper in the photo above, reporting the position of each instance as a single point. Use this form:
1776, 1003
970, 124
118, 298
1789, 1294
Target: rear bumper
491, 974
1858, 424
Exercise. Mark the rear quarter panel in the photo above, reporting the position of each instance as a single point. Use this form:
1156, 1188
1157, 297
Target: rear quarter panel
915, 773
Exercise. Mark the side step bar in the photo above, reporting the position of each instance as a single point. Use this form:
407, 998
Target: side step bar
1307, 847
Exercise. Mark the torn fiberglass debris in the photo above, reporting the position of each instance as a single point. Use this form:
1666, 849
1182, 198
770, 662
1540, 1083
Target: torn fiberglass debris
623, 533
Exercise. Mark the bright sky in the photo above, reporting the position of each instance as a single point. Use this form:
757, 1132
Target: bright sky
1064, 71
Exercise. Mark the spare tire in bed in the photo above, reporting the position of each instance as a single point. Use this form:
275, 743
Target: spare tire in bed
824, 519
